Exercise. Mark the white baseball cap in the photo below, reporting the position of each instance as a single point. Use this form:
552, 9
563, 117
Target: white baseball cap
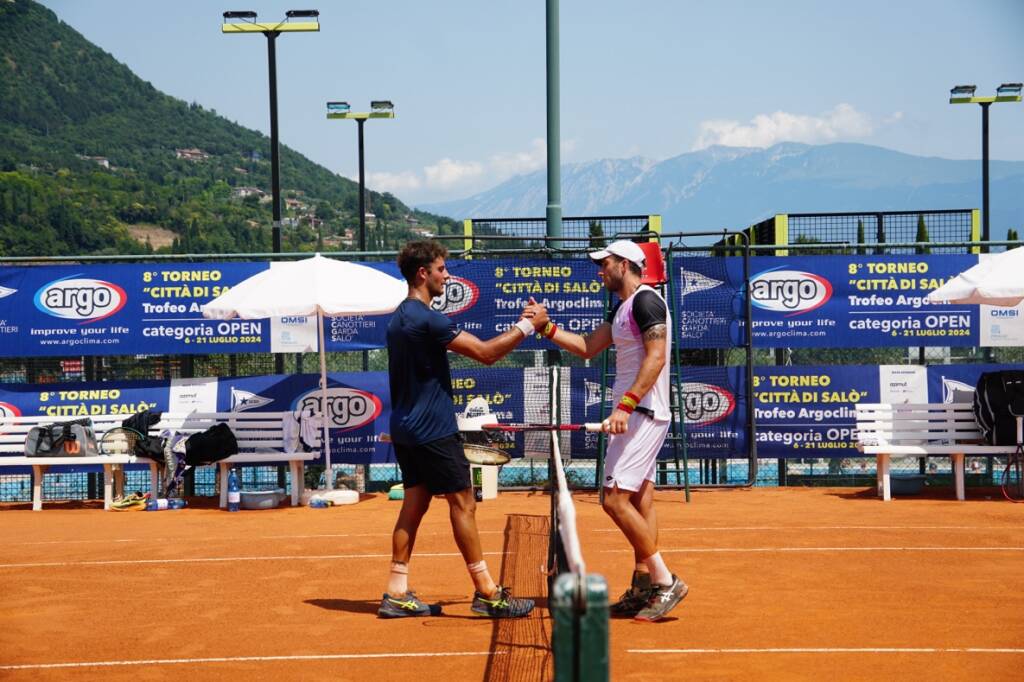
623, 249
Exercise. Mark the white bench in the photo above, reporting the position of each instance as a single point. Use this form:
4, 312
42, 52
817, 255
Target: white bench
14, 430
921, 430
259, 435
260, 441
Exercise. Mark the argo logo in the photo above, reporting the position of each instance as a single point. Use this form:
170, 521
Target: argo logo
705, 404
347, 408
789, 291
8, 410
88, 300
459, 295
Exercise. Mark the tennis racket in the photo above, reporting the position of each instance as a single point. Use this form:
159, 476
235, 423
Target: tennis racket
119, 441
483, 454
1013, 477
518, 428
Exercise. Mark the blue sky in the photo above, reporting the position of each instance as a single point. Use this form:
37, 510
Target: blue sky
654, 78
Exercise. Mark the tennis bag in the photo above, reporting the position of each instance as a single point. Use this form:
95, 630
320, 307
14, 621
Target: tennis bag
212, 445
998, 401
66, 439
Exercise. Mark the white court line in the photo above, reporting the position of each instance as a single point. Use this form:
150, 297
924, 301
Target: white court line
706, 550
802, 528
833, 650
232, 537
243, 659
198, 560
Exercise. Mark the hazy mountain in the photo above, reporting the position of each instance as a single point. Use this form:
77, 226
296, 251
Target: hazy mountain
730, 187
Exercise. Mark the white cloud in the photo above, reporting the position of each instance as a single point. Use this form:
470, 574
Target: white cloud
506, 165
394, 182
448, 173
764, 130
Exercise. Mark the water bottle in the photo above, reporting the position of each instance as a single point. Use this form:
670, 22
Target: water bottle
319, 503
165, 503
478, 484
234, 492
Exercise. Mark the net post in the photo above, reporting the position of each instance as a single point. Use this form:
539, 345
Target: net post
579, 635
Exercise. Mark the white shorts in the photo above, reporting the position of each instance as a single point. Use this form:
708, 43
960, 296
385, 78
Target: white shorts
632, 456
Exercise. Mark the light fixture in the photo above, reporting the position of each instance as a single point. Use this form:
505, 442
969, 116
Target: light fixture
300, 13
967, 90
1009, 89
243, 14
338, 106
381, 105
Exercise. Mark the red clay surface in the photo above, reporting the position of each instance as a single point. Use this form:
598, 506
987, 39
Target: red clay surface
785, 584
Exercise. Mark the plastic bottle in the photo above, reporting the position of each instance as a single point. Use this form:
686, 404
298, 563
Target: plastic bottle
319, 503
165, 503
234, 492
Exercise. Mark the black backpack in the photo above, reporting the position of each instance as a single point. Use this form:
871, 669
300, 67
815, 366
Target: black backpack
998, 401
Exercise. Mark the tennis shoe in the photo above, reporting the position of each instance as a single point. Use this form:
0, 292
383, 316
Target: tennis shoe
134, 502
635, 598
663, 599
501, 605
406, 606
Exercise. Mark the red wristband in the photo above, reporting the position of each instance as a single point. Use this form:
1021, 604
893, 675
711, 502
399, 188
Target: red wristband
550, 329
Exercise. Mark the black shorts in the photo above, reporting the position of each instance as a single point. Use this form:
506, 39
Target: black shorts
441, 465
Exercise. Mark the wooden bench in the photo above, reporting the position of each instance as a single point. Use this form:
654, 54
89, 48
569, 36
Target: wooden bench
260, 441
921, 430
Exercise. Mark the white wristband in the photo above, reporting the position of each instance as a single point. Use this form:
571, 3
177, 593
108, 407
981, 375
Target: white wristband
525, 326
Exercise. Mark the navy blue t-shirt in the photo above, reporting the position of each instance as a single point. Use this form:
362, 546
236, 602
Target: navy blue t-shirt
422, 409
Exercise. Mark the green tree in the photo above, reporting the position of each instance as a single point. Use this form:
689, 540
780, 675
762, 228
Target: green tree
922, 235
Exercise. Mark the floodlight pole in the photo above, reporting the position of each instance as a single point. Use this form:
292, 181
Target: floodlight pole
275, 161
964, 94
362, 189
985, 234
271, 31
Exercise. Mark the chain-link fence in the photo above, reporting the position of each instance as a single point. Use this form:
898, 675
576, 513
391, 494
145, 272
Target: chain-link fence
524, 238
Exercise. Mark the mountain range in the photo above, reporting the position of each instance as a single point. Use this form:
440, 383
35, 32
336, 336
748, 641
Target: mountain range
732, 187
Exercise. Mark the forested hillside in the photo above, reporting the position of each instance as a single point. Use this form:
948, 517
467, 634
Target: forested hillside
95, 160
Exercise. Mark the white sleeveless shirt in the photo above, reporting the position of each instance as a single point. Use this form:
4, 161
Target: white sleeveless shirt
630, 353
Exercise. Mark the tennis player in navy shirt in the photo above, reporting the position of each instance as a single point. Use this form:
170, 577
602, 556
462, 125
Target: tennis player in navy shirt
425, 434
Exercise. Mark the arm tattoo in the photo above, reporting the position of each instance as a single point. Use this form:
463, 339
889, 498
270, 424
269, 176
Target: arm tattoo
658, 331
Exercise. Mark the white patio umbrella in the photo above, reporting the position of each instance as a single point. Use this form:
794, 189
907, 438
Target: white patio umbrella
995, 280
314, 286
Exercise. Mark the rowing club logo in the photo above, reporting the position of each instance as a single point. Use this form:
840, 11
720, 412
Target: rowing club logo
347, 408
247, 400
459, 295
789, 291
79, 298
704, 404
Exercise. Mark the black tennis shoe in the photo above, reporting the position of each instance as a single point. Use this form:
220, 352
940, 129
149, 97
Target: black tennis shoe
406, 606
501, 605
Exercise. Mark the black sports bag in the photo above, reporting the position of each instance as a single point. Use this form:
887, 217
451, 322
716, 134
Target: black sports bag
998, 401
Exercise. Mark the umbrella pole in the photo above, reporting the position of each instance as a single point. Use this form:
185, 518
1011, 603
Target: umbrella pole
324, 407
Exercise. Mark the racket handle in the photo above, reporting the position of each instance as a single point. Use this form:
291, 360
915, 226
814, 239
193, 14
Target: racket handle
594, 427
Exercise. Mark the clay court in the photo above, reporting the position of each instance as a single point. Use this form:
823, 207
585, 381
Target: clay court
797, 583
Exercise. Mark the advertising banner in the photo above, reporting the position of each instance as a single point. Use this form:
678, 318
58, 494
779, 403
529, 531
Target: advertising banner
836, 302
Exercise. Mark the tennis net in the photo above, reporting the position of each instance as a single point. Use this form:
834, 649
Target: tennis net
578, 601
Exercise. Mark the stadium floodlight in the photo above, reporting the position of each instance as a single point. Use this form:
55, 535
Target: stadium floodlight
1009, 90
967, 90
244, 21
379, 108
964, 94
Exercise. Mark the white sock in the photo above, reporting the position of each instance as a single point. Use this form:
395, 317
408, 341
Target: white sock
398, 579
660, 575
